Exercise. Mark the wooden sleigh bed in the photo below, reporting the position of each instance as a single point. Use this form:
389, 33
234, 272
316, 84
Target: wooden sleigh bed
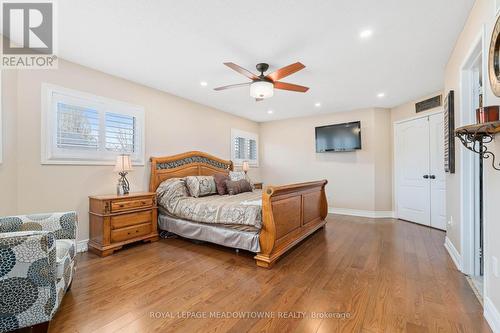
290, 213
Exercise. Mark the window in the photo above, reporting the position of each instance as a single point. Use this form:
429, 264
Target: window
244, 147
79, 128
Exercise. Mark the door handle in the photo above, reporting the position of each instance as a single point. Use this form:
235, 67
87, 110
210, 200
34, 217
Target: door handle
432, 176
426, 176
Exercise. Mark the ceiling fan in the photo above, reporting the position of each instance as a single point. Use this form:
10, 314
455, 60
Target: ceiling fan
263, 86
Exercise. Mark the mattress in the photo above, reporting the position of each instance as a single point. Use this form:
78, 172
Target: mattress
244, 209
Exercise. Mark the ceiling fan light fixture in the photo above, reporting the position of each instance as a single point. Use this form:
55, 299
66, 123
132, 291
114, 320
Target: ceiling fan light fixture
261, 89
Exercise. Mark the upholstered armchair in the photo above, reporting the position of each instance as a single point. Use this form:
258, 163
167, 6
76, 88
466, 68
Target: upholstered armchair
36, 267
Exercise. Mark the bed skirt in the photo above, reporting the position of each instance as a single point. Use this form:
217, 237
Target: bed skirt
222, 235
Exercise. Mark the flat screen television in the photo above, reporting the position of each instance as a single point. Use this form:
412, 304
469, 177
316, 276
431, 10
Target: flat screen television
339, 137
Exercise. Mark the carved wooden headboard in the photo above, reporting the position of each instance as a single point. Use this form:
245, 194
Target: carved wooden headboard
191, 163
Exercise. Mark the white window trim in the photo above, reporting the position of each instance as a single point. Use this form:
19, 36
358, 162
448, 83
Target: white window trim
243, 134
48, 156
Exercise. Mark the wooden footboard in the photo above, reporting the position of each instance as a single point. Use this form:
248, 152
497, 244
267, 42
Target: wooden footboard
290, 213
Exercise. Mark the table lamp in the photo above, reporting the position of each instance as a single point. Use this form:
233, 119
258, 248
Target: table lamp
123, 165
245, 166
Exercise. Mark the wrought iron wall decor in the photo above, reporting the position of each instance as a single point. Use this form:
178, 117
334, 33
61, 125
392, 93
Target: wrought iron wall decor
475, 138
449, 130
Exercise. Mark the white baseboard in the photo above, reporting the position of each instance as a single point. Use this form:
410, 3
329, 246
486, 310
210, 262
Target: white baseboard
452, 251
491, 315
82, 246
361, 213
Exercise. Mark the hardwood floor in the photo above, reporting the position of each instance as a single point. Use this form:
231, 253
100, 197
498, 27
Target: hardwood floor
382, 275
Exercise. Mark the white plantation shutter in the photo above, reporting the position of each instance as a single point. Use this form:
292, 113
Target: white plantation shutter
86, 129
77, 127
239, 148
252, 150
244, 147
120, 133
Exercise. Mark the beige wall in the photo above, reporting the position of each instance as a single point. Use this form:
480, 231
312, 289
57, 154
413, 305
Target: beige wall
173, 125
8, 169
383, 159
358, 180
482, 15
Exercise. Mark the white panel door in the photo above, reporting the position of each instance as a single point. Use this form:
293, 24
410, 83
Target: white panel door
412, 170
437, 174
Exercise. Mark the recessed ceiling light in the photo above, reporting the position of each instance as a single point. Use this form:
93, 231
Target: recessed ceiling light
203, 83
366, 33
270, 111
317, 104
380, 95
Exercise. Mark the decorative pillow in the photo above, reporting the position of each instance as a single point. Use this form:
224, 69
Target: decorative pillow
220, 182
200, 186
237, 175
238, 186
170, 192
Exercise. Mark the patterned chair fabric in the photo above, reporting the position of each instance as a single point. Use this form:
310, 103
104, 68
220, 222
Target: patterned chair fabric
37, 255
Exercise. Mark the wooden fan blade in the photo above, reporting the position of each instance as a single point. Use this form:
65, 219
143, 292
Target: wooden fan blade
259, 99
241, 70
233, 86
285, 71
290, 86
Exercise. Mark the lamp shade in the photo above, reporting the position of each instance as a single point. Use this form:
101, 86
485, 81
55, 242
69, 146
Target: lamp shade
123, 163
245, 166
261, 89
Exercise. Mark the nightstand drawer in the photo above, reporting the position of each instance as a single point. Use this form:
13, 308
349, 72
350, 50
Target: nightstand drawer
120, 235
126, 220
121, 205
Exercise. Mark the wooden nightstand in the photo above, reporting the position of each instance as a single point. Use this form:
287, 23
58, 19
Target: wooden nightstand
257, 186
119, 220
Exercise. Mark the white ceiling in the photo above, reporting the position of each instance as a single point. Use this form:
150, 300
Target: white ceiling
173, 45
